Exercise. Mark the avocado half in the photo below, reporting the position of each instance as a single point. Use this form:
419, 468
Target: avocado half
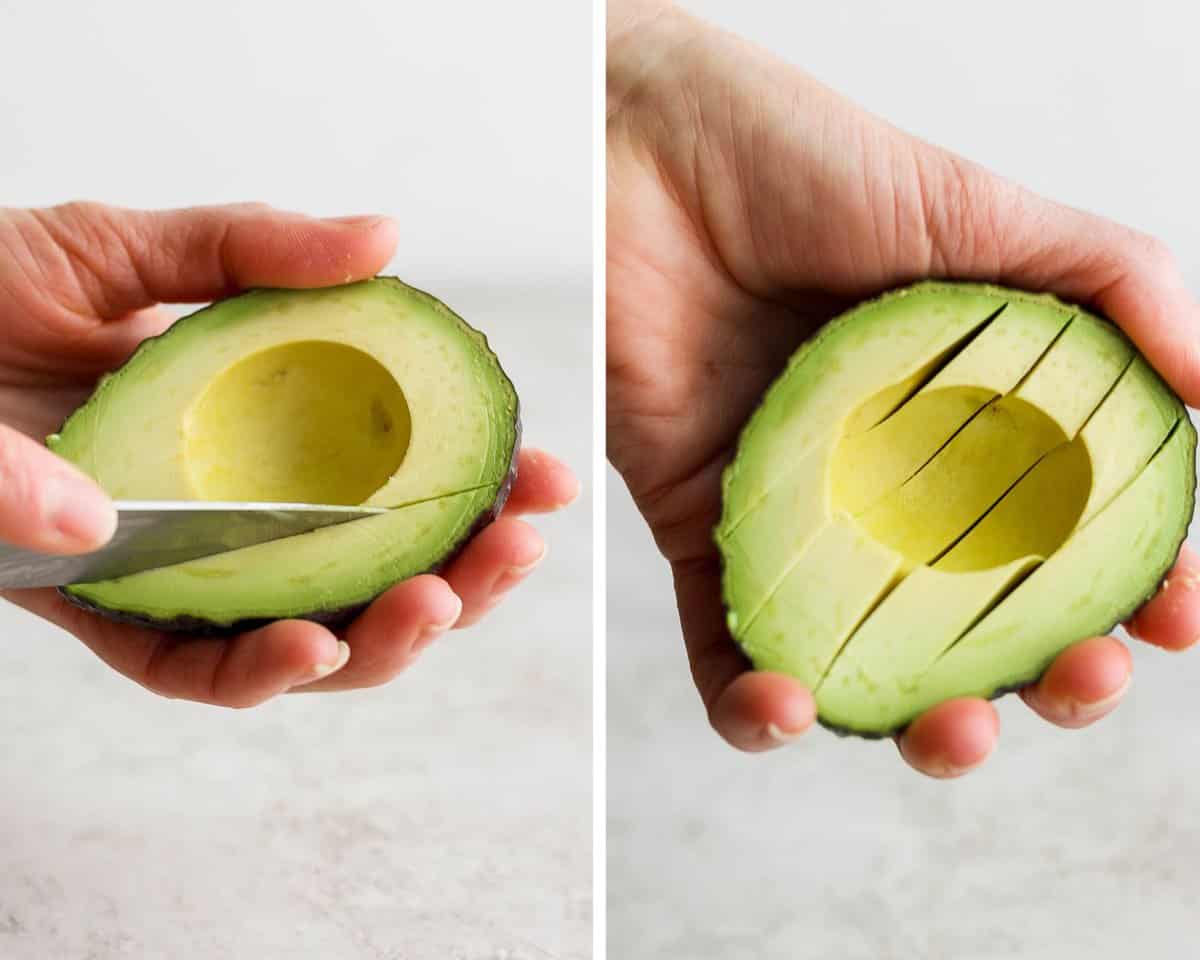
945, 488
371, 393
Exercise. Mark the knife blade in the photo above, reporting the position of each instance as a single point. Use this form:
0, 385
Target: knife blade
158, 533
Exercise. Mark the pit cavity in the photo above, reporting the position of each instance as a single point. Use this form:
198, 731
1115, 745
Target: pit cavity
306, 422
963, 479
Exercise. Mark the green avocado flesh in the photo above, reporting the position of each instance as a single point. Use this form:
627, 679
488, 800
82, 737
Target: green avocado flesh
945, 488
371, 393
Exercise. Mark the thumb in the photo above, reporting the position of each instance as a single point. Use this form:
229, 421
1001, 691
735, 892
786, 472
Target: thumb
982, 226
107, 261
46, 504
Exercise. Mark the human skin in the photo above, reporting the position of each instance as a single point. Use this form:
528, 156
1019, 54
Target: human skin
747, 204
80, 288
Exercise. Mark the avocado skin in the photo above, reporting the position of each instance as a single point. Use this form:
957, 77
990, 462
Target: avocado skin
334, 618
340, 617
999, 692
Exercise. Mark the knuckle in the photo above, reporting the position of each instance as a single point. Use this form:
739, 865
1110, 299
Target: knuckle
77, 210
960, 209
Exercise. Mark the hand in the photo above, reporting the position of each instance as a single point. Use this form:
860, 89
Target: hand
748, 204
79, 289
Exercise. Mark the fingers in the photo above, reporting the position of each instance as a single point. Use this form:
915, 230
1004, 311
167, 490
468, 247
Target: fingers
713, 655
46, 504
247, 670
952, 738
760, 711
494, 562
543, 484
121, 261
242, 671
405, 620
392, 632
751, 710
1171, 619
1084, 683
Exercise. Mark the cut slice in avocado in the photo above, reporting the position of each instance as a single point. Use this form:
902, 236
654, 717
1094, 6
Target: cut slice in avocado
371, 393
945, 488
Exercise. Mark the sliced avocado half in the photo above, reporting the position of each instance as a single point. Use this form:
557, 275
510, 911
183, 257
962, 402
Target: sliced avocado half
946, 487
371, 393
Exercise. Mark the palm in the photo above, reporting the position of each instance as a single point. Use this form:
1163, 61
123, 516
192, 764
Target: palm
674, 420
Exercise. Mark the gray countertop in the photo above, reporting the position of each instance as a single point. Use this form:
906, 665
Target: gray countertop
446, 816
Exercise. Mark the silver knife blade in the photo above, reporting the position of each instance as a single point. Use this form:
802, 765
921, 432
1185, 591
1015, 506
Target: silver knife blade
159, 533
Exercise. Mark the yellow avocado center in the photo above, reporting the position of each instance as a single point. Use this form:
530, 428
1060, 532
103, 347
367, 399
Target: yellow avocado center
306, 422
1008, 483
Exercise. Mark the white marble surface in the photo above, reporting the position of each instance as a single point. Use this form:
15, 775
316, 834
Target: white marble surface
1069, 845
444, 817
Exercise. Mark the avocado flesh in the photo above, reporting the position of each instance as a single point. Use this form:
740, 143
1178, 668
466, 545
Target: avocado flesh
936, 605
919, 333
764, 524
1012, 434
1007, 489
372, 393
801, 627
991, 365
991, 453
1081, 591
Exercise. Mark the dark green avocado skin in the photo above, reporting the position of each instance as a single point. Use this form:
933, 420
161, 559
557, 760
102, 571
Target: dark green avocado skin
334, 617
339, 617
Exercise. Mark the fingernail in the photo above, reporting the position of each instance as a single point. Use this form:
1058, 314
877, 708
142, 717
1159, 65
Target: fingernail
777, 735
431, 631
321, 670
80, 514
365, 220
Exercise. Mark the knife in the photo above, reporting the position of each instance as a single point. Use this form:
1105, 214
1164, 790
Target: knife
157, 533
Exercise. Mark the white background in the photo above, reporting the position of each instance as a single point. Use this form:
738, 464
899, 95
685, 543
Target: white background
1069, 844
446, 815
467, 121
